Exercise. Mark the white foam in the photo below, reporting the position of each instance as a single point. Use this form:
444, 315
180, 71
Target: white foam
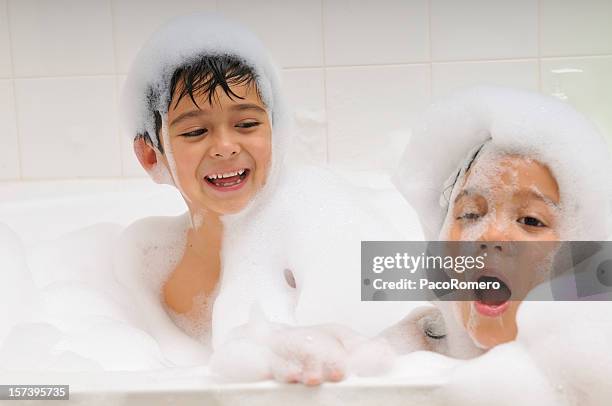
18, 292
517, 122
188, 38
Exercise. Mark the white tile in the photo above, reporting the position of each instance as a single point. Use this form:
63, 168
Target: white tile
130, 166
381, 32
586, 84
9, 147
68, 127
370, 112
135, 20
305, 91
290, 29
571, 27
61, 37
5, 46
483, 29
452, 76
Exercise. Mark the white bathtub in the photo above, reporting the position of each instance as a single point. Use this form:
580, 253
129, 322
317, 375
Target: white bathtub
192, 387
43, 211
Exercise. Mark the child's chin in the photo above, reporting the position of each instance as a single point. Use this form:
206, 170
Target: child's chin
229, 208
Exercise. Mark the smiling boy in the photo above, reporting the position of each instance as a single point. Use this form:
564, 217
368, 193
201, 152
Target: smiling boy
219, 133
204, 108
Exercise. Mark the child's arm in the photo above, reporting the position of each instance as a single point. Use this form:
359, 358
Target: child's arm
422, 329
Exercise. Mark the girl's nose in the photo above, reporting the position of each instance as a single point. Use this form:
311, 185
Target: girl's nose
496, 231
499, 237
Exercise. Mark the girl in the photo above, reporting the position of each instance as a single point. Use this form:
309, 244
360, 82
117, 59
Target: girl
517, 167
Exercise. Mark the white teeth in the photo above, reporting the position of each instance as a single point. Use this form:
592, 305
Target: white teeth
225, 175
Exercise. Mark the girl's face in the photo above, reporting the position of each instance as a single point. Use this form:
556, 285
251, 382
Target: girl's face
504, 198
221, 151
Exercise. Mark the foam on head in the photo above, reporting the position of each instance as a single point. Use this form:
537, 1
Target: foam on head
517, 123
495, 175
186, 39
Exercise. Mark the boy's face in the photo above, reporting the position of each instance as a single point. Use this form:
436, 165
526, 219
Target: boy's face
502, 199
221, 151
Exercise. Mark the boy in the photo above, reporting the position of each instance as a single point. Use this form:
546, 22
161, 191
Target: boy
204, 106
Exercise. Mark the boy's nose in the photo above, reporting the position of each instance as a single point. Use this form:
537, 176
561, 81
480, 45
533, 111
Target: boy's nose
225, 146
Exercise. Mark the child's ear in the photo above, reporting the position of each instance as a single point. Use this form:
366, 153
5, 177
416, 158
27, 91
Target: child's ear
145, 154
149, 159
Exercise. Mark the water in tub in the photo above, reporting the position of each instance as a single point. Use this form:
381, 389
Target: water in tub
64, 312
90, 299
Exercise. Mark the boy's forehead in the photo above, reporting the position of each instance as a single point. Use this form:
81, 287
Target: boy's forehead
204, 98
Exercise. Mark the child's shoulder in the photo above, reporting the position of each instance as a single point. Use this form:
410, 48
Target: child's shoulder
156, 231
148, 249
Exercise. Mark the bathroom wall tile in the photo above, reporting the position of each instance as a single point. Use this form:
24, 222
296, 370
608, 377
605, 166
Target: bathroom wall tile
130, 166
68, 127
585, 83
572, 27
305, 90
370, 112
61, 37
5, 46
135, 20
9, 147
483, 29
381, 32
451, 76
290, 29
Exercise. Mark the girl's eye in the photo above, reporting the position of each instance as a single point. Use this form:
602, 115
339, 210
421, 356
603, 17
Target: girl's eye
531, 221
469, 216
248, 124
195, 133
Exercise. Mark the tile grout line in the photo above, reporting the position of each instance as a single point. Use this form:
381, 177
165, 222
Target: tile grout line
539, 12
116, 90
332, 67
323, 56
14, 95
429, 40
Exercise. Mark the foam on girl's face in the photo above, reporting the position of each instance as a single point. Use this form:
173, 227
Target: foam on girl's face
503, 197
520, 123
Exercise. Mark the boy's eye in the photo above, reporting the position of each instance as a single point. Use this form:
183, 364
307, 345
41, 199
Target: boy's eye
195, 133
248, 124
531, 221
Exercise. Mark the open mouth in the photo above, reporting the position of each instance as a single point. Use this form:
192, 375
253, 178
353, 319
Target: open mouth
492, 302
230, 180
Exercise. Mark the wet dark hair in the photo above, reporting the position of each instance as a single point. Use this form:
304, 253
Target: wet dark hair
448, 191
201, 76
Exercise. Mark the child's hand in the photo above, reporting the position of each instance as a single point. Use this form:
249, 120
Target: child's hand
309, 355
